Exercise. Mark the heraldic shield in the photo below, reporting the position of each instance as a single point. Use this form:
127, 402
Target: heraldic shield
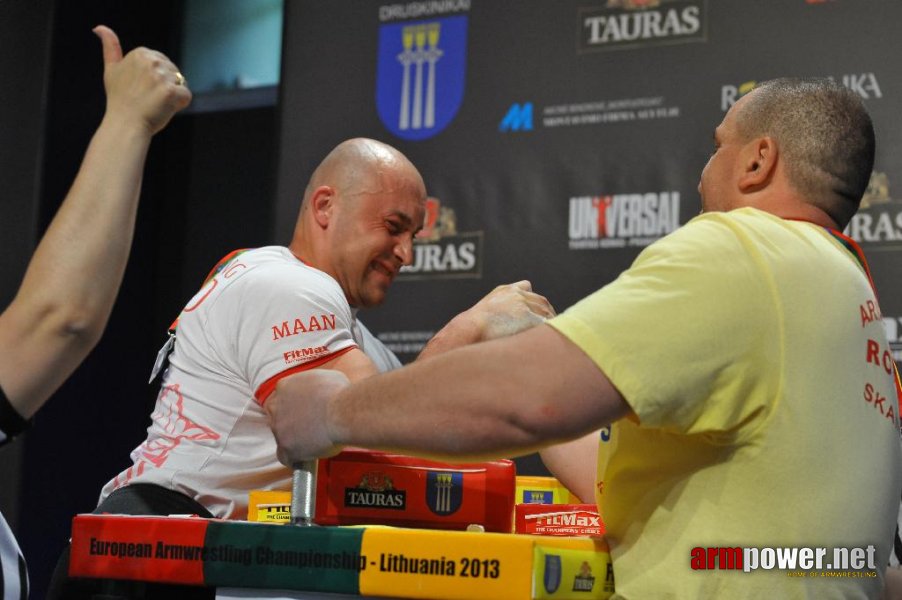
420, 75
444, 492
552, 579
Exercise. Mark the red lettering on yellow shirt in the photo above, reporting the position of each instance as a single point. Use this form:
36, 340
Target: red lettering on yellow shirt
869, 312
880, 402
881, 357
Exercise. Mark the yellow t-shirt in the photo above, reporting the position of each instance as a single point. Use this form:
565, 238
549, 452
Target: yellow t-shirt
752, 352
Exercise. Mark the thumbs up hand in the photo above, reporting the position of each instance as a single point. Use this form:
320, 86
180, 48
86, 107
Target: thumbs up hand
143, 87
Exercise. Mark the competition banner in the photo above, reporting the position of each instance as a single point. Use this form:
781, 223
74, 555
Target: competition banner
558, 138
462, 566
149, 548
370, 561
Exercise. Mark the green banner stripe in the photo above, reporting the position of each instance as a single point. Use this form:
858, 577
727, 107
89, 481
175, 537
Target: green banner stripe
322, 559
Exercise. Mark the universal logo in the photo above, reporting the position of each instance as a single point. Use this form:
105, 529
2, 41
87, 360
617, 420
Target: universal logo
621, 220
631, 23
878, 223
440, 252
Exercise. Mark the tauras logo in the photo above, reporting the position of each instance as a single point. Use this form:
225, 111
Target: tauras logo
440, 251
879, 219
375, 490
625, 23
365, 499
619, 220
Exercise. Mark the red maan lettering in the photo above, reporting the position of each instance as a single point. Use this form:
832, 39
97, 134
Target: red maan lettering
288, 329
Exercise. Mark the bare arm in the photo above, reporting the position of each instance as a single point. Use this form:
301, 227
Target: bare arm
503, 311
505, 397
71, 282
506, 310
575, 465
352, 365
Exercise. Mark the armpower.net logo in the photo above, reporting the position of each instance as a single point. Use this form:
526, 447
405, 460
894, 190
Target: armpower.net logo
794, 561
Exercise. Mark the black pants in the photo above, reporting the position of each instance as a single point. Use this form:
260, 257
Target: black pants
135, 499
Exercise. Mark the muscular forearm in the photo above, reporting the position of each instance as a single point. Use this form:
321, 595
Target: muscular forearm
506, 310
503, 398
460, 331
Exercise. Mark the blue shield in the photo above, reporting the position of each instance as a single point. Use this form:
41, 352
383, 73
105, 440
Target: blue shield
420, 75
552, 579
444, 491
537, 497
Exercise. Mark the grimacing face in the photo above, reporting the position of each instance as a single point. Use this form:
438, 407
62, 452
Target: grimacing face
373, 233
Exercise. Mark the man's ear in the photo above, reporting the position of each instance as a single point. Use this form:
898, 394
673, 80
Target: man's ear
759, 163
322, 203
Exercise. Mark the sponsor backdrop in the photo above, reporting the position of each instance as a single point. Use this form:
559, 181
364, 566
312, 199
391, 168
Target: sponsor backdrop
558, 138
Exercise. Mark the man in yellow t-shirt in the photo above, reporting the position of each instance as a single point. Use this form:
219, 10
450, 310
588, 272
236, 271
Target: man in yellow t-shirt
748, 375
738, 371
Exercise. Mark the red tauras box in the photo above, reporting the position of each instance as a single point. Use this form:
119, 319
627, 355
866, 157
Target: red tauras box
361, 487
559, 519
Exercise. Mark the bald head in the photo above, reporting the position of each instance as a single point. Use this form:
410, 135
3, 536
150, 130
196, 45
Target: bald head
362, 208
825, 137
360, 166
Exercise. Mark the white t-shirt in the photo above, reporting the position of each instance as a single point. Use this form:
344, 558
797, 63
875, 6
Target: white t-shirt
264, 315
